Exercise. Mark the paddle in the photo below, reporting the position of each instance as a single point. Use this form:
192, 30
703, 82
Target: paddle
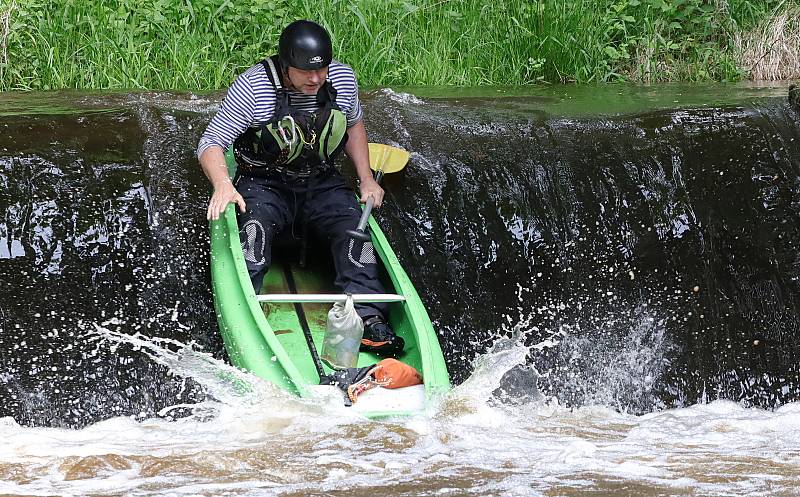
383, 159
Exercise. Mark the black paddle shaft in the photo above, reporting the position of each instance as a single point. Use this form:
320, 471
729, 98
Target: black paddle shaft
301, 316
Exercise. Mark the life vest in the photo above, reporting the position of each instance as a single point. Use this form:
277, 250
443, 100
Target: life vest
295, 143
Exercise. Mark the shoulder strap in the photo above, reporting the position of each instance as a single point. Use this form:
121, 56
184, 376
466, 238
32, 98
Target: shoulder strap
273, 73
326, 99
272, 67
327, 94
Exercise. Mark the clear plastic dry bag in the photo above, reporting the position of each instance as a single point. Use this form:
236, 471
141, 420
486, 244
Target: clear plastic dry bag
343, 333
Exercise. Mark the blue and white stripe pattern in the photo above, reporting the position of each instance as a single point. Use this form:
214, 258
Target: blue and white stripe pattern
250, 102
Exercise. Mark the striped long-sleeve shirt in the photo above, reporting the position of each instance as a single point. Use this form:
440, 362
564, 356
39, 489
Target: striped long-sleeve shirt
250, 103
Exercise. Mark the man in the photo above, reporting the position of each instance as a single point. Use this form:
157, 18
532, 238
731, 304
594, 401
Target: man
288, 118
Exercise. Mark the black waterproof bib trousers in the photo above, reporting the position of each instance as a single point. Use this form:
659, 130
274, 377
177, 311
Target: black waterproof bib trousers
330, 208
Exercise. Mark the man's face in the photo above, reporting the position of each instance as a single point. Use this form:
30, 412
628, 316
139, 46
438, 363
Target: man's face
307, 81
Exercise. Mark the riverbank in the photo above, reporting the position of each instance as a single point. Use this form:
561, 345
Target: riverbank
202, 44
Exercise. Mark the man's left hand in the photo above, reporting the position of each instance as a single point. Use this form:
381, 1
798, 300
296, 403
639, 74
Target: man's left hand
371, 188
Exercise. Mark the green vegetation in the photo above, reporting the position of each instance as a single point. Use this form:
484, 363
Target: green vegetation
202, 44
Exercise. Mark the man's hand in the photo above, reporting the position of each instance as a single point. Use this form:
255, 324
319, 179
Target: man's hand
358, 150
213, 164
224, 193
370, 188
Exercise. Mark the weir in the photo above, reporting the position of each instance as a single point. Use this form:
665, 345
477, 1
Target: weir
651, 235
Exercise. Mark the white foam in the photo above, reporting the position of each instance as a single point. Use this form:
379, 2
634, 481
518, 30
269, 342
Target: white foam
401, 97
266, 442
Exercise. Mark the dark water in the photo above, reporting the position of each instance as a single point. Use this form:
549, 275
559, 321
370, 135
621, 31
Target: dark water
654, 244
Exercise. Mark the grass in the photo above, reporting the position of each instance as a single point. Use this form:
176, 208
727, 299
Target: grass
202, 44
770, 50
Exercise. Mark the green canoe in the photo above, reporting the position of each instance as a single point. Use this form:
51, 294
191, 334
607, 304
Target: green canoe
267, 338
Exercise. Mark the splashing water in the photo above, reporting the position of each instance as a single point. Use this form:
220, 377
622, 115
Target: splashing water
259, 440
223, 384
618, 364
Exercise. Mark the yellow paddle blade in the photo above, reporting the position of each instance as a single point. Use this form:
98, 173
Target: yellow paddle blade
387, 158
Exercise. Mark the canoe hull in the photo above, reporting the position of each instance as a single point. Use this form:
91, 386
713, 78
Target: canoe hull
267, 339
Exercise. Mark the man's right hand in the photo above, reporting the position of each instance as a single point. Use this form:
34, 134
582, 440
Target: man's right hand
224, 193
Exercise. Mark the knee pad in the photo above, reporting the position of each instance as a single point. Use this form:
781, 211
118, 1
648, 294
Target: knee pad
256, 240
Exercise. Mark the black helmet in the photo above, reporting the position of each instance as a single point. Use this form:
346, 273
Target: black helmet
305, 45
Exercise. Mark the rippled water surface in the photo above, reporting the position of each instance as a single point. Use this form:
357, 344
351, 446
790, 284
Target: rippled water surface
613, 273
